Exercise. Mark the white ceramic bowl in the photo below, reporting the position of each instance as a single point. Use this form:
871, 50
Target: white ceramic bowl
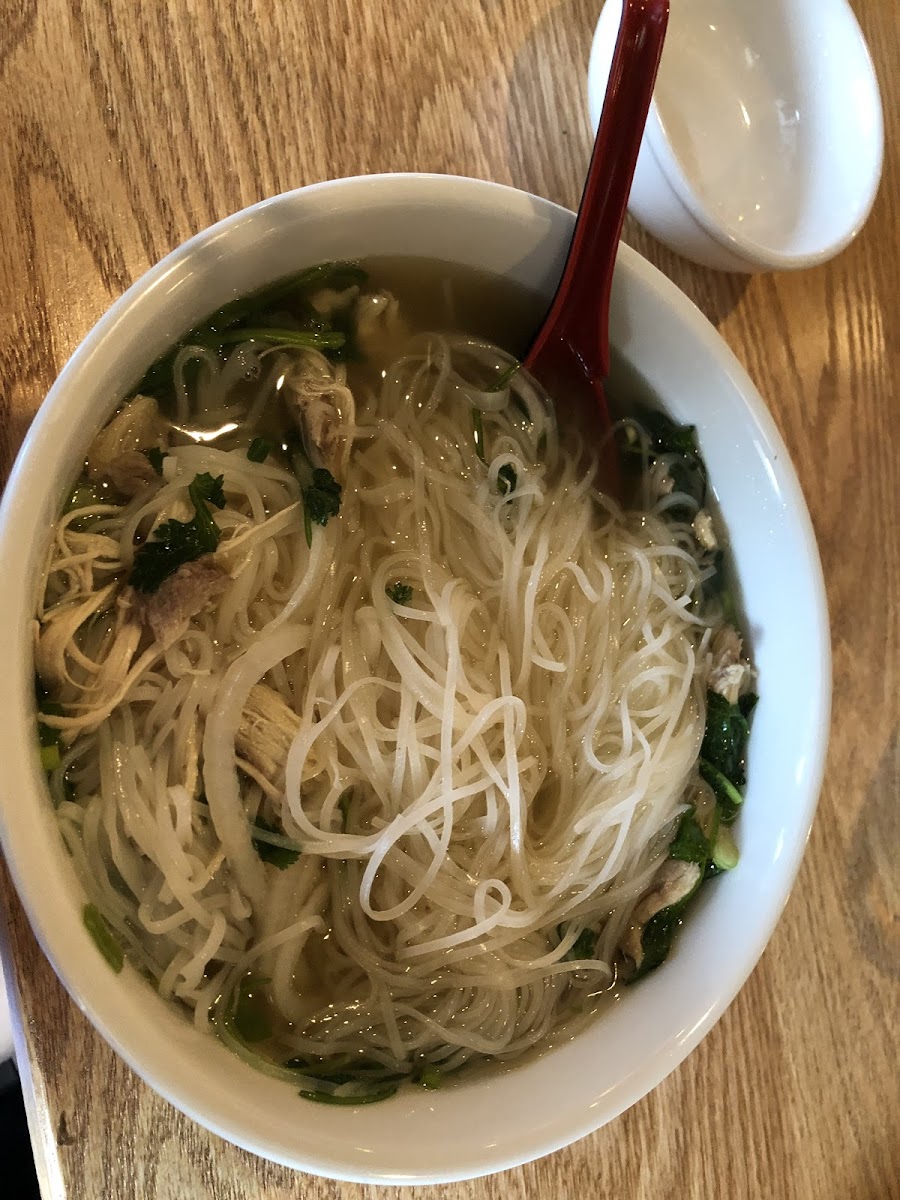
473, 1127
764, 142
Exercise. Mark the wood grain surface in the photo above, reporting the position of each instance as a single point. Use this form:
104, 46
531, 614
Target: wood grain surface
128, 125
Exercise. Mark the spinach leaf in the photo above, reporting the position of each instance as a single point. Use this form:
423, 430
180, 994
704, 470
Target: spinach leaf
175, 543
657, 938
690, 843
725, 737
584, 945
259, 450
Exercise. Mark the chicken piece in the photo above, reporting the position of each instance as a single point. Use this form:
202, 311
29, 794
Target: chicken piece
168, 611
328, 301
673, 882
264, 737
320, 403
704, 531
730, 675
380, 327
130, 472
115, 454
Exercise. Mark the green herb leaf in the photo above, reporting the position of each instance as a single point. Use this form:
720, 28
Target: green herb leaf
507, 480
259, 450
725, 737
400, 593
584, 946
728, 797
175, 543
155, 456
344, 801
301, 339
690, 843
504, 378
273, 846
431, 1077
657, 938
104, 938
321, 500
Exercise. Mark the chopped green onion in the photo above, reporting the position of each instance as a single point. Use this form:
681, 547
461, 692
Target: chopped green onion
727, 795
725, 853
431, 1077
50, 758
303, 339
503, 380
104, 938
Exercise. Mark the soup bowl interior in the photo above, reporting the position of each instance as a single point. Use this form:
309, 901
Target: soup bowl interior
666, 348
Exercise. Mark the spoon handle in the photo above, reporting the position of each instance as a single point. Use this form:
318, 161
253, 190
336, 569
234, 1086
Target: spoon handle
580, 310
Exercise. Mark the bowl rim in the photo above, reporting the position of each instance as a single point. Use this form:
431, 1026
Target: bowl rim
97, 1000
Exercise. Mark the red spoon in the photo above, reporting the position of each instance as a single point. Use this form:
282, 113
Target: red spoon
570, 355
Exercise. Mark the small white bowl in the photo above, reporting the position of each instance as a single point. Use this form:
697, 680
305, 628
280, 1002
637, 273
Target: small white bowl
480, 1125
764, 143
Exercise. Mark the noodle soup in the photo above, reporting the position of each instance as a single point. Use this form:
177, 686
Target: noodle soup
382, 739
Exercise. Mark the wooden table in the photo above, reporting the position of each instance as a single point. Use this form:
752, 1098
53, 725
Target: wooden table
129, 125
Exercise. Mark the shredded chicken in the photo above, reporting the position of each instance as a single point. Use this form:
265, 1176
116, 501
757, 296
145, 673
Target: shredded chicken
328, 301
115, 454
267, 729
704, 531
168, 611
130, 472
672, 883
321, 404
730, 675
381, 329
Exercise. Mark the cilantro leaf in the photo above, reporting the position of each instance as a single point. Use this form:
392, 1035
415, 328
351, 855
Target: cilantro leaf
175, 543
278, 854
400, 593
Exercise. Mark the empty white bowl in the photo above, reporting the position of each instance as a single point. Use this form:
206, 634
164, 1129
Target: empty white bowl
475, 1125
764, 144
